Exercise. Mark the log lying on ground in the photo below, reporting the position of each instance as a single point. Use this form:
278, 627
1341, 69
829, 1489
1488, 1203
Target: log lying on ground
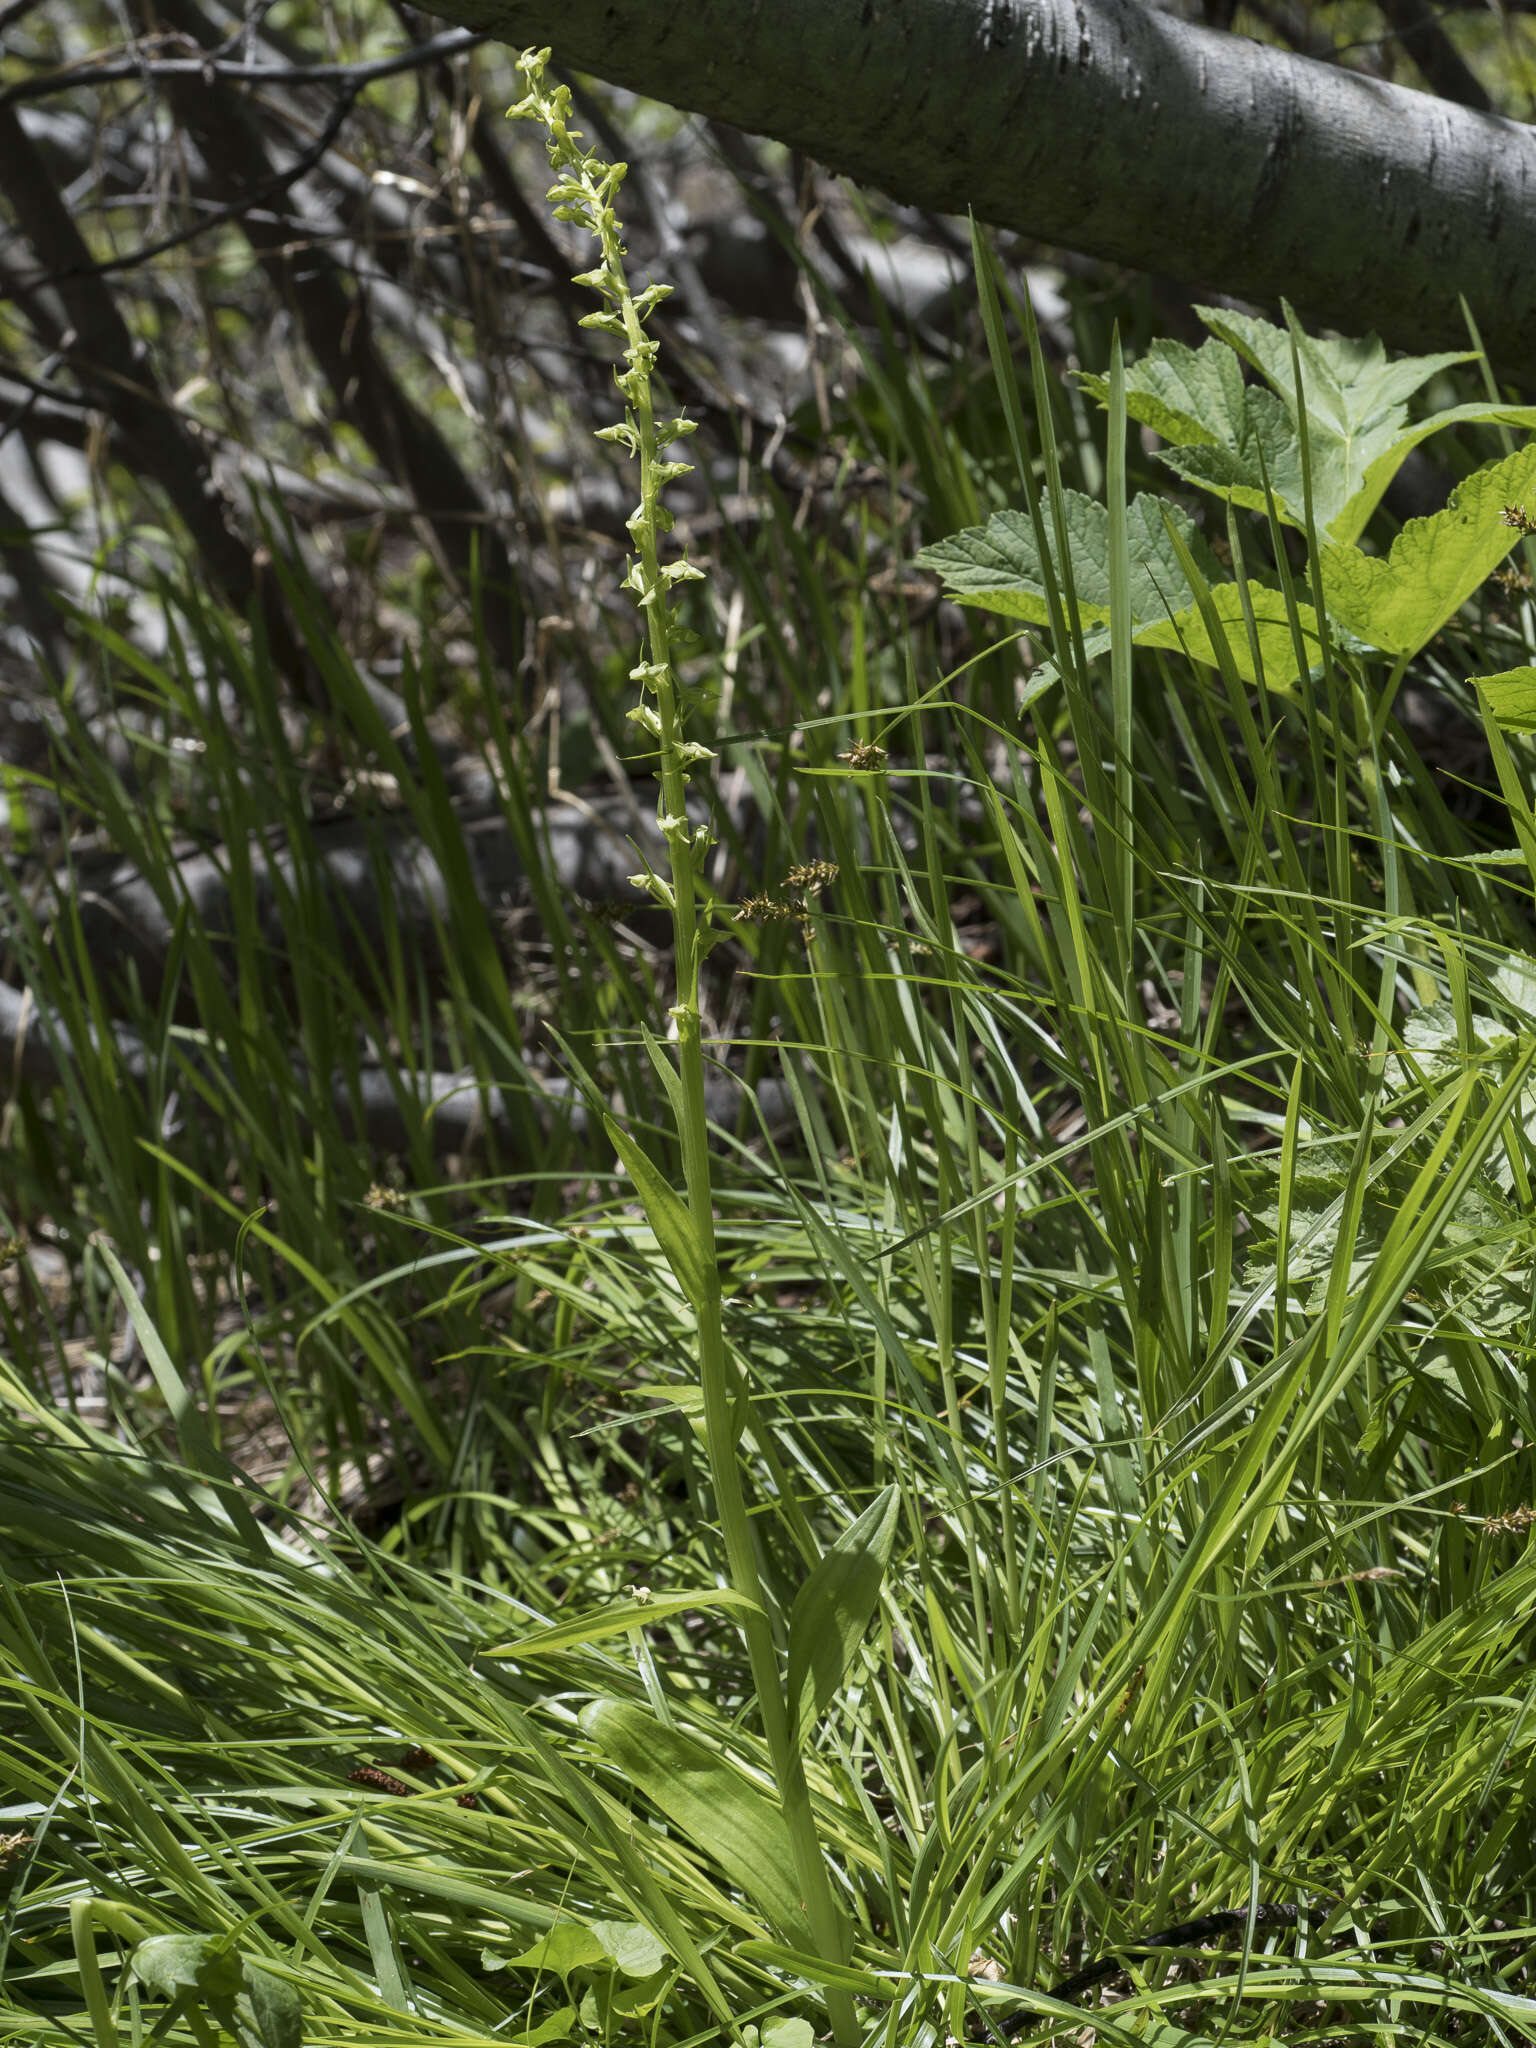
590, 853
367, 870
453, 1112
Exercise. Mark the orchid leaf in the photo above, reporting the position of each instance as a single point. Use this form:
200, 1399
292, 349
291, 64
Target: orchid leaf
833, 1608
709, 1801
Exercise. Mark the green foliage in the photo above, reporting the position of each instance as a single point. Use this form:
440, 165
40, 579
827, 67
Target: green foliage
1124, 1333
1511, 697
618, 1970
1244, 441
712, 1805
999, 565
257, 2007
1399, 601
833, 1610
997, 568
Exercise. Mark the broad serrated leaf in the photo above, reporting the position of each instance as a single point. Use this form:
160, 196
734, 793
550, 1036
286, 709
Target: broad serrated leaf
1276, 667
1264, 445
1399, 601
997, 569
1348, 477
1350, 523
997, 566
709, 1801
1272, 630
1357, 419
1511, 698
1357, 422
832, 1610
1185, 394
1349, 383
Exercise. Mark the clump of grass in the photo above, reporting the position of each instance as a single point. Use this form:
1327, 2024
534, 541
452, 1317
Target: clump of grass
1107, 1409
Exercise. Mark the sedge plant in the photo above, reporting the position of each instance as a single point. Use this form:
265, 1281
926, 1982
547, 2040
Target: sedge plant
583, 194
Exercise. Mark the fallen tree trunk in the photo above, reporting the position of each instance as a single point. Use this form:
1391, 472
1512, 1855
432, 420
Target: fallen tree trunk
1114, 129
129, 928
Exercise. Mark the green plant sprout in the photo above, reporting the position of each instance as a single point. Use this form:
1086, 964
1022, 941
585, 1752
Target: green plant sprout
583, 194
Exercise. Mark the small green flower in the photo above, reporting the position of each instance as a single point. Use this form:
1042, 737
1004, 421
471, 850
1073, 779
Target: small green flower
583, 193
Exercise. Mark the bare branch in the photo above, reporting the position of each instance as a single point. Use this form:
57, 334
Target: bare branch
352, 78
16, 11
114, 369
336, 328
1437, 57
220, 216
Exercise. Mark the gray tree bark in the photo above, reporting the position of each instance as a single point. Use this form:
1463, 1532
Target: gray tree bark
1116, 130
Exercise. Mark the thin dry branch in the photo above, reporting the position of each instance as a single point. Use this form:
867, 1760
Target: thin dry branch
116, 373
142, 69
337, 330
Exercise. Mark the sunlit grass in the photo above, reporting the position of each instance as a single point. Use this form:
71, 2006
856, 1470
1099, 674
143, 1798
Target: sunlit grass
1117, 1220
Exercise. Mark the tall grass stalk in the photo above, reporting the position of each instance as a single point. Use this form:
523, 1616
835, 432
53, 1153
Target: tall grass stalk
583, 193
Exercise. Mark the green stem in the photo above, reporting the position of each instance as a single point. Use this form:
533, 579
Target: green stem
718, 1382
586, 190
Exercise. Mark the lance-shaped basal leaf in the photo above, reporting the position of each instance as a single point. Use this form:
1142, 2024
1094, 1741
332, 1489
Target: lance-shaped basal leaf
709, 1802
997, 566
1399, 601
833, 1609
666, 1212
1511, 698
